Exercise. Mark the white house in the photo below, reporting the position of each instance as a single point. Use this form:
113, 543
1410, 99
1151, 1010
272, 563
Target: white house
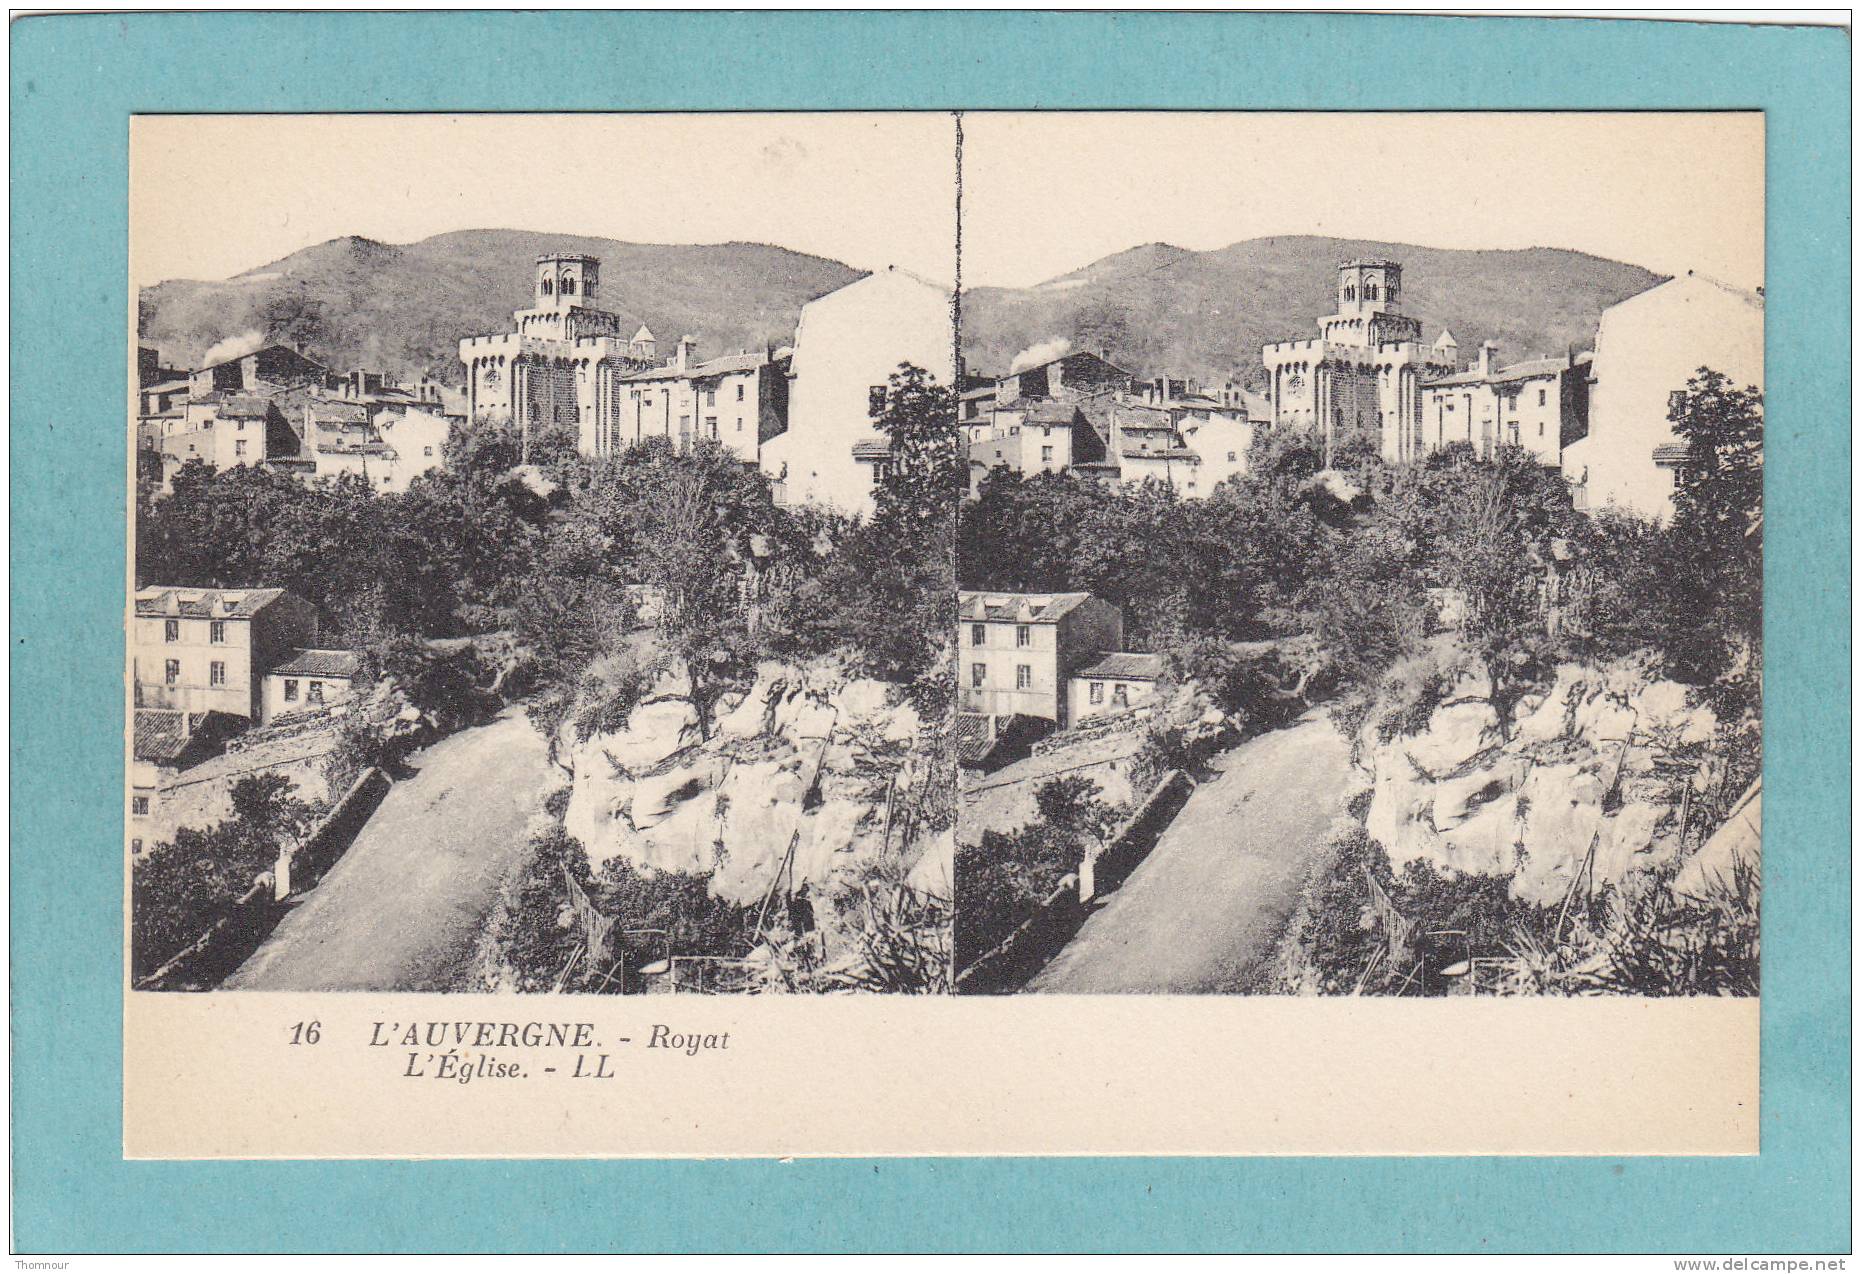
847, 344
1646, 349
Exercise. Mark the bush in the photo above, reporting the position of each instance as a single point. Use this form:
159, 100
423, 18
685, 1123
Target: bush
1000, 881
181, 888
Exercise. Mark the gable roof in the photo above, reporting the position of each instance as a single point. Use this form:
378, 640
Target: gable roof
1125, 666
169, 601
320, 663
1019, 608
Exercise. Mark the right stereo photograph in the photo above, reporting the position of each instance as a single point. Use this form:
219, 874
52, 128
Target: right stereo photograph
1360, 572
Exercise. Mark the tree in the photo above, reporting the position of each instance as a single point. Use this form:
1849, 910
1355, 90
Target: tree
183, 886
1718, 529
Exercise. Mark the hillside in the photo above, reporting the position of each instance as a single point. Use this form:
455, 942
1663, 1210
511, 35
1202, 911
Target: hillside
403, 308
1160, 308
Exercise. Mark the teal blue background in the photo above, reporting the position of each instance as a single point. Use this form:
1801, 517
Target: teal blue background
75, 81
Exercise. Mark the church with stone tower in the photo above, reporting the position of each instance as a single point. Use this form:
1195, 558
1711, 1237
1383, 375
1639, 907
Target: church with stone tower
563, 363
1360, 379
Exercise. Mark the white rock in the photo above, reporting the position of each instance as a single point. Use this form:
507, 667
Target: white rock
654, 732
754, 715
1456, 733
803, 716
862, 701
657, 796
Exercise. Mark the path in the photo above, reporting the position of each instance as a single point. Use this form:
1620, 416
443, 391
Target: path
402, 910
1211, 900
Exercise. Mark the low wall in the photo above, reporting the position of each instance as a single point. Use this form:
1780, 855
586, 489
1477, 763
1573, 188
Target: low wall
302, 866
1006, 966
1135, 838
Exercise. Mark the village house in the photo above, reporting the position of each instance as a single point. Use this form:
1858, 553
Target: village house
1647, 348
262, 371
208, 649
1114, 682
1360, 380
228, 429
1017, 651
308, 680
164, 742
847, 346
1541, 405
1068, 377
738, 401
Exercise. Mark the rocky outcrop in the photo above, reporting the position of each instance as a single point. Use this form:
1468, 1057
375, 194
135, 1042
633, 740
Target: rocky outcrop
804, 758
1590, 775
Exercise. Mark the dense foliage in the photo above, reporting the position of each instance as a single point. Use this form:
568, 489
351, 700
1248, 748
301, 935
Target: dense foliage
182, 887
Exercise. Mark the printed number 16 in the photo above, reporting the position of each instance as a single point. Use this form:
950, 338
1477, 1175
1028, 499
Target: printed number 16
306, 1032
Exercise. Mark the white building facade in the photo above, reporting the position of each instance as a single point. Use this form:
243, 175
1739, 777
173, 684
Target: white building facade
847, 345
1647, 348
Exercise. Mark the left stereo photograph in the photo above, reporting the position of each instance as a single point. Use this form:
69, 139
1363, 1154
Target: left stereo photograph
541, 553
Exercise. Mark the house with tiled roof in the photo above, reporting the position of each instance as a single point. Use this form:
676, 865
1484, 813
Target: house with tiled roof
1540, 404
208, 649
308, 680
164, 742
1017, 651
1114, 682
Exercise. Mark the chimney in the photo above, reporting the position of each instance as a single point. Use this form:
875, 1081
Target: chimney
683, 357
1487, 350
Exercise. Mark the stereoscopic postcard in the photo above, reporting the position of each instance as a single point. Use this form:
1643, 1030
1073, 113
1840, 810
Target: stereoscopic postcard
944, 632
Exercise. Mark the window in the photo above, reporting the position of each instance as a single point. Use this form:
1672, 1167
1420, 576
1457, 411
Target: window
1024, 635
875, 400
1024, 676
978, 634
135, 846
1541, 398
739, 424
739, 391
171, 630
314, 693
976, 673
240, 426
549, 286
1541, 429
1119, 699
1046, 454
173, 672
216, 673
568, 286
1096, 693
290, 690
1231, 457
239, 446
1676, 403
139, 806
710, 398
216, 632
429, 451
710, 425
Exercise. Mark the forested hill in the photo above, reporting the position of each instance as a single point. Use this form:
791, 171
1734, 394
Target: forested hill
403, 308
1160, 308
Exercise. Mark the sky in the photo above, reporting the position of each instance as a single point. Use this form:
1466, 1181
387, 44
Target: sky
214, 196
1044, 193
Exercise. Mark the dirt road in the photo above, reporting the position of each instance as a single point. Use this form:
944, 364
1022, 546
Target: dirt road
401, 911
1209, 903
